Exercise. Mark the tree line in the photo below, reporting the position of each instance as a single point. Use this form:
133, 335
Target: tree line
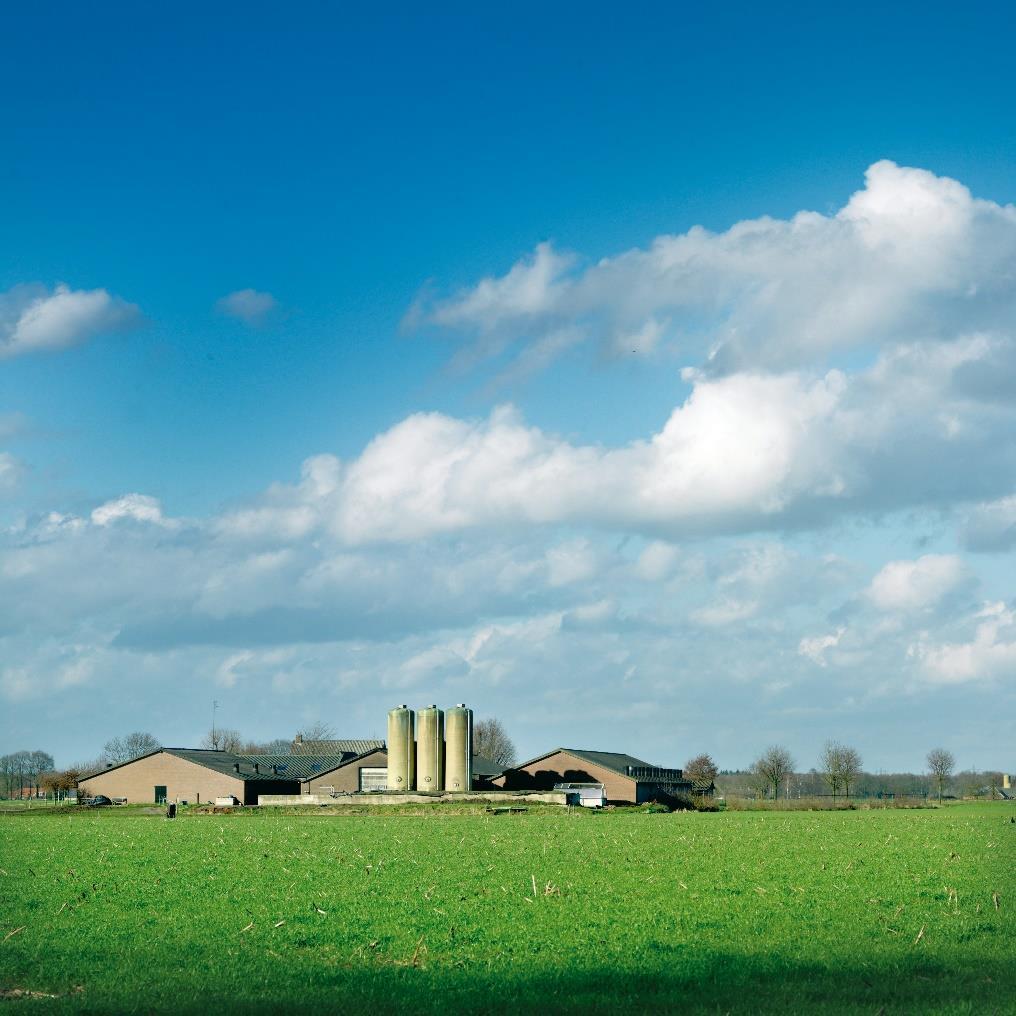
840, 772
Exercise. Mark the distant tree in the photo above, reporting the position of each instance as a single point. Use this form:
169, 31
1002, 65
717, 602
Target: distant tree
134, 745
223, 739
851, 767
308, 740
831, 762
491, 741
774, 765
279, 746
701, 769
940, 764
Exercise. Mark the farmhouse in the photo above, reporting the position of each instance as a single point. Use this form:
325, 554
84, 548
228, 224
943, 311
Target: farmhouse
625, 779
189, 774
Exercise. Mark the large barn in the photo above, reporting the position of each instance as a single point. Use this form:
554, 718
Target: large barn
194, 775
199, 776
625, 779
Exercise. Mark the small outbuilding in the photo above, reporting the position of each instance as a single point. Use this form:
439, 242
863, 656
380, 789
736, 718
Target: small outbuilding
626, 779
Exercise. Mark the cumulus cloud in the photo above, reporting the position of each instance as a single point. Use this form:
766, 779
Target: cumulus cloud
989, 654
247, 305
992, 526
33, 319
815, 647
135, 507
914, 585
911, 255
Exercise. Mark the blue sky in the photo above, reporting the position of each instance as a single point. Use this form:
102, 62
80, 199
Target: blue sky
639, 487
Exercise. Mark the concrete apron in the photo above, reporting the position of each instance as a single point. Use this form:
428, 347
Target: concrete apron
502, 797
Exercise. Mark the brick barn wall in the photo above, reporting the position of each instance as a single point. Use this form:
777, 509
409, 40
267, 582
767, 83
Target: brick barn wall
561, 767
137, 781
346, 779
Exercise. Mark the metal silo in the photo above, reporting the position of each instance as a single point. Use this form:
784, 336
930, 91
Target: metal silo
430, 749
459, 748
401, 749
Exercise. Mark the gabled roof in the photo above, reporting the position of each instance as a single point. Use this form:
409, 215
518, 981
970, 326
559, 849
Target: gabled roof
612, 760
297, 767
355, 746
616, 762
224, 762
347, 760
484, 767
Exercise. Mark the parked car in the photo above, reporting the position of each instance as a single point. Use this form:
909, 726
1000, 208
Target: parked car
100, 801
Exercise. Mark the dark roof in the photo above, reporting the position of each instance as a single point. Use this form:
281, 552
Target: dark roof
298, 767
346, 760
355, 746
615, 761
224, 762
484, 767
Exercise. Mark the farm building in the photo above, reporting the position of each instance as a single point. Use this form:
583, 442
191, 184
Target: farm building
625, 779
369, 771
188, 774
199, 776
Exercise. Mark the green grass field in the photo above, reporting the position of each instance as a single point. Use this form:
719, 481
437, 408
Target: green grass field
866, 911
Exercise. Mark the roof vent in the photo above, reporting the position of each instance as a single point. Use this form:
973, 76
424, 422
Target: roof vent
256, 768
236, 767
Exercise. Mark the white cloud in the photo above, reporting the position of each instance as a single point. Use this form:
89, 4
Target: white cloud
992, 526
990, 654
247, 305
657, 560
815, 648
32, 319
137, 507
915, 585
911, 255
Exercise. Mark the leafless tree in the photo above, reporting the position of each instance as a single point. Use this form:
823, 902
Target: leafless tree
832, 766
223, 739
701, 769
851, 767
774, 765
310, 738
278, 746
940, 764
134, 745
491, 741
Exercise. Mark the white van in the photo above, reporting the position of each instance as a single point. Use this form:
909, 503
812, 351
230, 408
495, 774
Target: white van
587, 795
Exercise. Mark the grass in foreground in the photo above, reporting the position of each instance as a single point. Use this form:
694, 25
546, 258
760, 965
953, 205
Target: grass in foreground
898, 911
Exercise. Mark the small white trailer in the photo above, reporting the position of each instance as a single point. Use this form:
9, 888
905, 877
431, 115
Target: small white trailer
586, 795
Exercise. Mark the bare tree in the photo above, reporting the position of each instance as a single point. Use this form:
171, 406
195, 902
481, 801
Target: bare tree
134, 745
223, 739
310, 739
851, 767
832, 766
940, 764
491, 741
774, 765
278, 746
701, 769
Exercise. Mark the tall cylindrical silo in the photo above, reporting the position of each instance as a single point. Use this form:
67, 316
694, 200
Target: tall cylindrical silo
401, 749
430, 749
459, 748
